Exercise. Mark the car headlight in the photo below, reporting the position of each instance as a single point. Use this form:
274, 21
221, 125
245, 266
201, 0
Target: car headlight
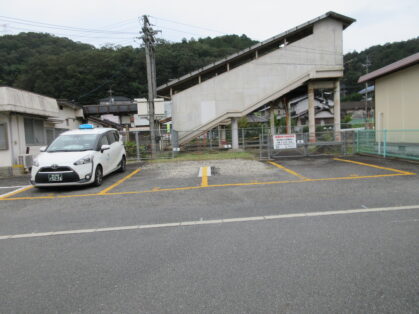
35, 163
85, 160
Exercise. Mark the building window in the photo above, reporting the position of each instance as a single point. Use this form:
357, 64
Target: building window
3, 137
52, 134
34, 132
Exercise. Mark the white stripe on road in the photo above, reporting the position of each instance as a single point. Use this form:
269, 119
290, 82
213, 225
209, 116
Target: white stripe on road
12, 187
208, 222
201, 170
20, 187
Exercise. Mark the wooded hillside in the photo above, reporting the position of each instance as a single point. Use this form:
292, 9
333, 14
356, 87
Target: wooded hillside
61, 68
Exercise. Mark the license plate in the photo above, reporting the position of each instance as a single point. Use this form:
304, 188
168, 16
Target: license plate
55, 177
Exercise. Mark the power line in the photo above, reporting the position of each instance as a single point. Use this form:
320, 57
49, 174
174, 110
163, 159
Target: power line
62, 27
70, 35
123, 22
179, 31
189, 25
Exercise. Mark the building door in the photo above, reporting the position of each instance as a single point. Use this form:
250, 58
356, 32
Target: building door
50, 135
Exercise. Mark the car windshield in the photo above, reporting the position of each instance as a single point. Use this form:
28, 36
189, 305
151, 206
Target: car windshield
73, 143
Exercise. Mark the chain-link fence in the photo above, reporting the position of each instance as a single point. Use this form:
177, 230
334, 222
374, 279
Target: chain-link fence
389, 143
325, 143
169, 144
258, 141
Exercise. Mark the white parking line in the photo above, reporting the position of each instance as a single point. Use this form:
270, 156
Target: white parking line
208, 222
12, 187
201, 171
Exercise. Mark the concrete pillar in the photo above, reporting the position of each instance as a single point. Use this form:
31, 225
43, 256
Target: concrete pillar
336, 110
222, 136
311, 114
219, 135
234, 133
287, 115
272, 118
175, 138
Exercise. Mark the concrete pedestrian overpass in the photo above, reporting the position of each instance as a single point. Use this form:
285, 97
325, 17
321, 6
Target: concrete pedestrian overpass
308, 56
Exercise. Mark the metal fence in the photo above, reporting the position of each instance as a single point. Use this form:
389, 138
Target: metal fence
326, 143
389, 143
253, 140
138, 144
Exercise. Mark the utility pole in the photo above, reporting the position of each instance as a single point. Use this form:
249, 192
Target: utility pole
111, 100
148, 34
366, 65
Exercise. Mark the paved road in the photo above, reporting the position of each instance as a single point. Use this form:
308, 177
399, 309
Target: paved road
328, 262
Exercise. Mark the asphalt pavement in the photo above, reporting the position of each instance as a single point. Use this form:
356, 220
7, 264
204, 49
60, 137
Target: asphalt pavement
258, 238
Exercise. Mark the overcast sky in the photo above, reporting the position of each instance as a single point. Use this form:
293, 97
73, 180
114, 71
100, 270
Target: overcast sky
100, 22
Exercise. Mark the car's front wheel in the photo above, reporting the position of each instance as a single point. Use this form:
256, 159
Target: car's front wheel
123, 164
98, 176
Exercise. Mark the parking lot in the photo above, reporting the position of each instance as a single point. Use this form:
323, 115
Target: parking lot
216, 236
194, 175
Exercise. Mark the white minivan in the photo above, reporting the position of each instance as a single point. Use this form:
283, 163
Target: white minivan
79, 157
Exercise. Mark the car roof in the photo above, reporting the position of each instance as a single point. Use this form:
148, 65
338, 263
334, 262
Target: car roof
88, 131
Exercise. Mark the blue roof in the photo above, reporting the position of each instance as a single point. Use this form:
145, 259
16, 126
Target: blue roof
369, 90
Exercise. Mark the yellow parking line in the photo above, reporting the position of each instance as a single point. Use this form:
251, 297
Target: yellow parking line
16, 192
204, 182
209, 186
119, 182
159, 190
375, 166
360, 177
288, 170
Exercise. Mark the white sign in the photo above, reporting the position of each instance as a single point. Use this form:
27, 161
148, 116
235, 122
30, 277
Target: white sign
140, 120
285, 141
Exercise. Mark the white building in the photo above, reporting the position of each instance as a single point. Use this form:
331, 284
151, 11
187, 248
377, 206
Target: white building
29, 121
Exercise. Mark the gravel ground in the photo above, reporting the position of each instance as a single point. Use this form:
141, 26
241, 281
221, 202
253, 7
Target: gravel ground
231, 167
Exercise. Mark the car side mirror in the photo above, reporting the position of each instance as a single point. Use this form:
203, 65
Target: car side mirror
42, 149
104, 147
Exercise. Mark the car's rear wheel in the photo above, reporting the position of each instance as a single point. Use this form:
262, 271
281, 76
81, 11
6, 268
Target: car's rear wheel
123, 164
98, 176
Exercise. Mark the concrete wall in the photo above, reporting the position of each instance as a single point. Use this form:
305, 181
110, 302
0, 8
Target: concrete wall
397, 106
397, 100
16, 134
15, 105
5, 155
13, 99
71, 118
16, 139
243, 89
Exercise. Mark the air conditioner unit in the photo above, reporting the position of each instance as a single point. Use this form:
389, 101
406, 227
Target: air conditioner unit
26, 160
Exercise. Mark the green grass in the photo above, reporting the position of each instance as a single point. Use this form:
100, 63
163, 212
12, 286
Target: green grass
207, 156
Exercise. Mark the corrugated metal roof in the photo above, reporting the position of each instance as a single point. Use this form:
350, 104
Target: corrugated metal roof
368, 90
393, 67
346, 21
